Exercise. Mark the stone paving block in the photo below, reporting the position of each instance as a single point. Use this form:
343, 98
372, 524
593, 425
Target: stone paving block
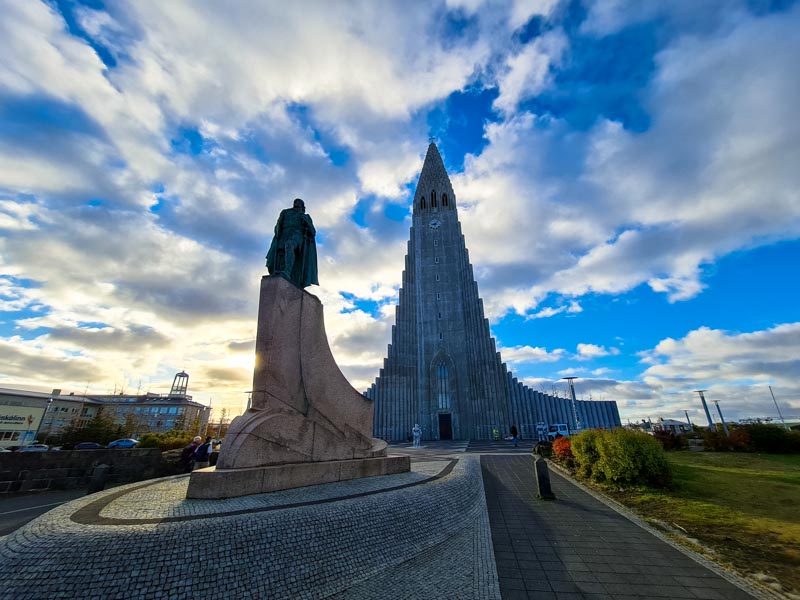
353, 539
584, 548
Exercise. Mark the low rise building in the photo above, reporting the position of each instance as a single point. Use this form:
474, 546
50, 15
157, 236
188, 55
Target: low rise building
27, 415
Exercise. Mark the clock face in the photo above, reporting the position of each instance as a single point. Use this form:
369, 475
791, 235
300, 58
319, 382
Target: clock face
435, 224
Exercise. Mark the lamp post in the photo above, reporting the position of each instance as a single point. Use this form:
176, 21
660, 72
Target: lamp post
705, 408
721, 418
778, 409
574, 403
46, 410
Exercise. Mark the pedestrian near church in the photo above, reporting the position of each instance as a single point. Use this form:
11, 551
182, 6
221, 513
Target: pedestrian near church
187, 454
202, 454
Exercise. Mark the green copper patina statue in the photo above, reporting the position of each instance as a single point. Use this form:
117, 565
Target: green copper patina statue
293, 252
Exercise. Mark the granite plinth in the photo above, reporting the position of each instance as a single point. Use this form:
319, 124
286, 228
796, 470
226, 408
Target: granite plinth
303, 408
214, 483
307, 425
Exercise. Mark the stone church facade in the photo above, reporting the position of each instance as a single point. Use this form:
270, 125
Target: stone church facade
443, 370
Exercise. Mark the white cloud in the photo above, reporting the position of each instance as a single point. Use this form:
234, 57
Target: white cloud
528, 354
714, 173
276, 93
529, 72
589, 351
523, 10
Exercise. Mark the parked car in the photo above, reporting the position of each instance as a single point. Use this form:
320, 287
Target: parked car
124, 443
88, 446
556, 431
35, 448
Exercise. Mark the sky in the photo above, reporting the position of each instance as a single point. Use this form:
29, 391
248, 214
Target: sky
627, 174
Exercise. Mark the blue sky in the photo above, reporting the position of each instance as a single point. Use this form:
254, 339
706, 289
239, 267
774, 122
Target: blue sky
626, 175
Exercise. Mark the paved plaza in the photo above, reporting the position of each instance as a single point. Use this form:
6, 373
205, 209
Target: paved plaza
464, 523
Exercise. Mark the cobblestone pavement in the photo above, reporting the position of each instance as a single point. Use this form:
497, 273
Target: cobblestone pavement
578, 548
419, 535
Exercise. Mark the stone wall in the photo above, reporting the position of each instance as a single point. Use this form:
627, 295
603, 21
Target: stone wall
67, 469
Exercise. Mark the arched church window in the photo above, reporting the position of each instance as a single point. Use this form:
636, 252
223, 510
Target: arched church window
433, 199
444, 199
443, 393
422, 202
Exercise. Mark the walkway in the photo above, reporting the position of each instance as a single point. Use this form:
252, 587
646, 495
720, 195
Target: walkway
576, 547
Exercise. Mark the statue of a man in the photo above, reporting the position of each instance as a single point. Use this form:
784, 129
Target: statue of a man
293, 252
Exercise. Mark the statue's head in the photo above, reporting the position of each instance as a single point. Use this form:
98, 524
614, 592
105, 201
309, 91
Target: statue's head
299, 205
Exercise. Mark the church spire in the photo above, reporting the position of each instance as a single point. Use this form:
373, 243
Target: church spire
434, 189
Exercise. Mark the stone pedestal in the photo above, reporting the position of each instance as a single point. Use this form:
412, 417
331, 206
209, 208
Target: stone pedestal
305, 417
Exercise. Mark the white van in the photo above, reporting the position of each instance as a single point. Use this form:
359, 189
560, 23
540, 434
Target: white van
556, 430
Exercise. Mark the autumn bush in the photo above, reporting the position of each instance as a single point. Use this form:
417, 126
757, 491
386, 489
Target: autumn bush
562, 449
632, 457
621, 456
740, 440
584, 449
769, 438
716, 441
670, 441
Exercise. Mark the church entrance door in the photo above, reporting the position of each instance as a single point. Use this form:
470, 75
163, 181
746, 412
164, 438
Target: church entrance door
445, 426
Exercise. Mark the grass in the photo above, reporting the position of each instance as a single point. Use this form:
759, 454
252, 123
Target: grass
745, 508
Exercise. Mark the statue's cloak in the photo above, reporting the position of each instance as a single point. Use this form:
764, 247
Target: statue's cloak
304, 272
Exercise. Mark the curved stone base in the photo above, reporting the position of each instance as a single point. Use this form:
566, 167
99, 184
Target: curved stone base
422, 534
230, 483
280, 436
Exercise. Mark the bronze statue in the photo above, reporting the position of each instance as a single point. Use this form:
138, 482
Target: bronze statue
293, 252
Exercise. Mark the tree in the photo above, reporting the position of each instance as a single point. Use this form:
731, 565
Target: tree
132, 426
100, 428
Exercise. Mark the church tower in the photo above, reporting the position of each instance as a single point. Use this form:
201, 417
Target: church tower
443, 370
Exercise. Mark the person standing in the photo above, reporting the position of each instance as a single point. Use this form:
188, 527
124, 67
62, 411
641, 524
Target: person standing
202, 454
187, 454
515, 435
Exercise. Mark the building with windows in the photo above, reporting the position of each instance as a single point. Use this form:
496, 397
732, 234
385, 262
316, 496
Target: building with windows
24, 414
154, 413
443, 370
27, 415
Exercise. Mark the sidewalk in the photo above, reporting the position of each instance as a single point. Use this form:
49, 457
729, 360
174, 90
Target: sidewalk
576, 547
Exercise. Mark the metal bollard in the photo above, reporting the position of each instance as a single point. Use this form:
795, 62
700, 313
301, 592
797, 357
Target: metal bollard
543, 479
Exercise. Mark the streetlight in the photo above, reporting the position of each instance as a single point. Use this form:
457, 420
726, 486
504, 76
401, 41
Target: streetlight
705, 407
778, 409
721, 418
688, 420
574, 403
46, 410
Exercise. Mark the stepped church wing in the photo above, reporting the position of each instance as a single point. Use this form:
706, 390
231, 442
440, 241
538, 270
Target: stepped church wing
443, 370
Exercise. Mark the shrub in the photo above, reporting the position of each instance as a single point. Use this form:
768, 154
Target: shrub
562, 449
169, 440
716, 441
543, 449
740, 440
584, 449
794, 441
632, 457
769, 438
670, 441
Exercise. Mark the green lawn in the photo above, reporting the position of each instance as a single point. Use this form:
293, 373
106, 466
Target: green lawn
744, 507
